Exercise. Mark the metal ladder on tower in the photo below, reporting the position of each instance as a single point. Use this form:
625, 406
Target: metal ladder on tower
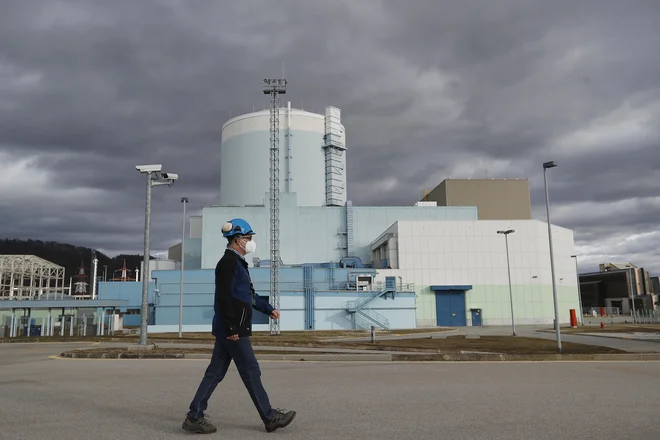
274, 88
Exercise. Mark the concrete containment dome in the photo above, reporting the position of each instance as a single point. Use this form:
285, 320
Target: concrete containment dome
309, 166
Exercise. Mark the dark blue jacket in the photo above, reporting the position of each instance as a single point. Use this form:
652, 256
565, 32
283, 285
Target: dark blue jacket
235, 297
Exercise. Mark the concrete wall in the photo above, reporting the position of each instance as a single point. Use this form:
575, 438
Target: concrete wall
246, 140
495, 199
472, 253
195, 227
193, 251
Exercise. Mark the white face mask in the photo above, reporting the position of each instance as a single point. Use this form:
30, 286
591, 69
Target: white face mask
250, 247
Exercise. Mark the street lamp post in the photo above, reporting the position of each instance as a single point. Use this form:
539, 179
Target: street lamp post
154, 174
508, 267
577, 275
632, 276
184, 200
547, 165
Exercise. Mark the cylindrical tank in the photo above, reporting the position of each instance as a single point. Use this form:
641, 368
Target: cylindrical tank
245, 158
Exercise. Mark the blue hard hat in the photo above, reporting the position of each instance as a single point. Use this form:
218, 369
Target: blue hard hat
236, 226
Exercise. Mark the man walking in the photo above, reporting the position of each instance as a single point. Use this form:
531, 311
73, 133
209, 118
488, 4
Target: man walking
232, 327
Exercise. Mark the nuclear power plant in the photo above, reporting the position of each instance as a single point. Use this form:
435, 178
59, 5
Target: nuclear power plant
466, 254
341, 266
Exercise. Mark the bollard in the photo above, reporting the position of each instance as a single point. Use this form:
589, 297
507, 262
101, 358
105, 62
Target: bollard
373, 334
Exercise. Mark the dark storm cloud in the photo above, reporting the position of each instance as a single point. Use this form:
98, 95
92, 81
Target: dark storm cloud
428, 90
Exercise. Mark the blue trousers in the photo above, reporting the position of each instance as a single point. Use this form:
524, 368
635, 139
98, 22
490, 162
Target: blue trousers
243, 355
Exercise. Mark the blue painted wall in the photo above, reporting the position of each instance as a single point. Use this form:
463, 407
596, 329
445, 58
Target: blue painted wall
130, 291
329, 302
315, 234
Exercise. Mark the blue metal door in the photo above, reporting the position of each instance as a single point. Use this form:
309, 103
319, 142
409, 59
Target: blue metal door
450, 308
476, 317
442, 310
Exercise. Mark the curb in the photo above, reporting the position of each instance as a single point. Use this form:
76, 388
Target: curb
127, 355
326, 357
379, 357
430, 335
264, 357
522, 357
610, 336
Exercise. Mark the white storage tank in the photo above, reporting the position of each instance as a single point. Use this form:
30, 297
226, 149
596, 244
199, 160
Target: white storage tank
245, 158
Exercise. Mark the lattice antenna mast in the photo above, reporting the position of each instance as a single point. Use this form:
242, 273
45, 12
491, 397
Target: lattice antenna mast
275, 88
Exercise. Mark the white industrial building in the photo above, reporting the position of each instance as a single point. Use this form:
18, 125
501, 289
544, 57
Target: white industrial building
467, 259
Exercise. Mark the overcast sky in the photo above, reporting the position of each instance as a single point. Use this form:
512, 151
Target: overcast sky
428, 89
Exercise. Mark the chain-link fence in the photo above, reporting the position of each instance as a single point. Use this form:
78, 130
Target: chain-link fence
646, 317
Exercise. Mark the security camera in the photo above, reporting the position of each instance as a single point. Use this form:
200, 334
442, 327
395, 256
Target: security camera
170, 176
149, 168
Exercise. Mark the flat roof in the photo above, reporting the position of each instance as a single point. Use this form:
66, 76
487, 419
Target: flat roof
487, 179
607, 272
462, 288
9, 304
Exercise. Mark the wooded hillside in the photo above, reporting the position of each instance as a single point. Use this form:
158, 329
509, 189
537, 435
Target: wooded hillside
69, 256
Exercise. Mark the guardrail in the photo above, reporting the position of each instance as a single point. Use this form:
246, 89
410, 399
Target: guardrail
344, 286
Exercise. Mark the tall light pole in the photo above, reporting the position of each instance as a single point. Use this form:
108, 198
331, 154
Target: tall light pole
633, 289
508, 267
154, 174
577, 275
547, 165
184, 200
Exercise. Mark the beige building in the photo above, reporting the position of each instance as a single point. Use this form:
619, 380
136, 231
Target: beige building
495, 199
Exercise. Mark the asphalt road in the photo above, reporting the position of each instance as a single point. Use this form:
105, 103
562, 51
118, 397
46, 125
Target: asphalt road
42, 398
632, 346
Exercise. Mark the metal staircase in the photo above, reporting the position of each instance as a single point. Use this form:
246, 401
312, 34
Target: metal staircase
358, 308
375, 318
354, 306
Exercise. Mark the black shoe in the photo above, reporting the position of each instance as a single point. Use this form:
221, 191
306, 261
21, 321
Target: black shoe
279, 419
199, 426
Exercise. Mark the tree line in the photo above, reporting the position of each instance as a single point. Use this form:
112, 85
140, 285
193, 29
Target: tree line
69, 256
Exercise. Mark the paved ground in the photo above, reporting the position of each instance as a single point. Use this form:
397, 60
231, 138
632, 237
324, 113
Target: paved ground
146, 399
654, 337
633, 346
639, 346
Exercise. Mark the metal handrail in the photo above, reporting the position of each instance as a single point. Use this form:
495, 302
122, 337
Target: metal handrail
357, 304
376, 317
399, 287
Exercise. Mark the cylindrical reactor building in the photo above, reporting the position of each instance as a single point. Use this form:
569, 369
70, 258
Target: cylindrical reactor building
312, 158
